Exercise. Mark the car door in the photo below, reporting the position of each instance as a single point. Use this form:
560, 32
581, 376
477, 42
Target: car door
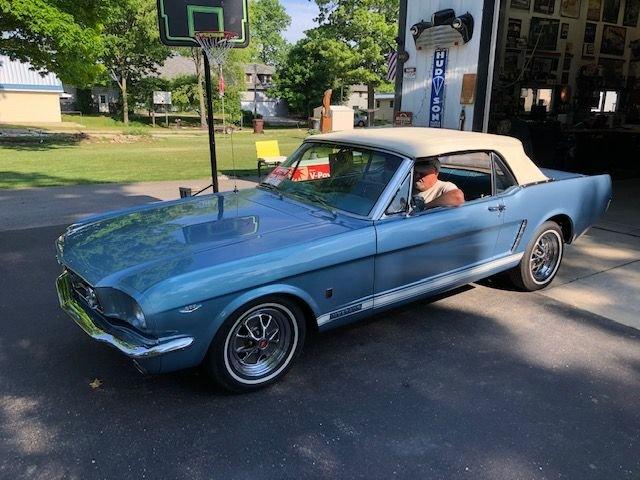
423, 252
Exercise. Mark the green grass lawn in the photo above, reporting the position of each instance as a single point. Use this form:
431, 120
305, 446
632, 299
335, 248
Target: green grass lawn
25, 165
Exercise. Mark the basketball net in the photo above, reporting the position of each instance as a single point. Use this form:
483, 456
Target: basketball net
216, 45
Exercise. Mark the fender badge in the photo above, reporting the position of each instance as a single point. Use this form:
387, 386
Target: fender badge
190, 308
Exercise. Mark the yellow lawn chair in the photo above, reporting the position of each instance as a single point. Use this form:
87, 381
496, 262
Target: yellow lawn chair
268, 155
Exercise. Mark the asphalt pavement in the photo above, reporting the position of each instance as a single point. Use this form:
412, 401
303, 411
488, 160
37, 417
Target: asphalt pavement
483, 383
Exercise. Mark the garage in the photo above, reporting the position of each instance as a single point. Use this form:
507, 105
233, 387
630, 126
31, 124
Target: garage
561, 75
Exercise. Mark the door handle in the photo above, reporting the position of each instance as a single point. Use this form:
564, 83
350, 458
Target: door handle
497, 208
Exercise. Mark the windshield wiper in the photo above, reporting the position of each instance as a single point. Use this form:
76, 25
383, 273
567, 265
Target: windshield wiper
272, 188
317, 198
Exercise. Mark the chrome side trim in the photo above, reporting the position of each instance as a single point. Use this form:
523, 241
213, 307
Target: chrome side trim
419, 288
521, 230
438, 283
133, 350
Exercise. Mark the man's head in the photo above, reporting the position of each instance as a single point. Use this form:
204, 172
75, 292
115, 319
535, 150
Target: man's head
425, 174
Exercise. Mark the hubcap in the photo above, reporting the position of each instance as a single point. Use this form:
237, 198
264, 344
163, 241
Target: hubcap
260, 342
545, 256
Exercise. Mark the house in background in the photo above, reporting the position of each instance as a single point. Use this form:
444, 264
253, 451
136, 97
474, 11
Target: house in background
358, 97
258, 79
384, 106
26, 96
103, 99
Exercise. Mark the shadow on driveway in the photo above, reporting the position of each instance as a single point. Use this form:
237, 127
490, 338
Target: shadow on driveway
483, 384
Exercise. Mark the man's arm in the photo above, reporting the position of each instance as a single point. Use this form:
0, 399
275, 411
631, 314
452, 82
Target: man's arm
453, 198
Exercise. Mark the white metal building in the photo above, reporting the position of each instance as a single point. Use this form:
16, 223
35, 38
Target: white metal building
27, 96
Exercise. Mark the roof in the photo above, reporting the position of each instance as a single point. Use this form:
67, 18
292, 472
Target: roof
21, 77
385, 96
418, 142
261, 67
177, 66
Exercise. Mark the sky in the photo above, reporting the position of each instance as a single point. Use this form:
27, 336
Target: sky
302, 13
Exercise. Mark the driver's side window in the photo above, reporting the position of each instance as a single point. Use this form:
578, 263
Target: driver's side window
400, 202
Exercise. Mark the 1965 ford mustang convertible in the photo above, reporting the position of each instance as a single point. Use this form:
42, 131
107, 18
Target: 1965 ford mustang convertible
336, 233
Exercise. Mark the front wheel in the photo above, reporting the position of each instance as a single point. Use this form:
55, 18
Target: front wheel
541, 259
256, 346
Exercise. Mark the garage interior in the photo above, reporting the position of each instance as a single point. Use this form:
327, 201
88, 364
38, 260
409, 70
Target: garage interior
567, 83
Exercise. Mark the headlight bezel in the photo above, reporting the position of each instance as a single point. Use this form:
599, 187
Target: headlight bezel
119, 305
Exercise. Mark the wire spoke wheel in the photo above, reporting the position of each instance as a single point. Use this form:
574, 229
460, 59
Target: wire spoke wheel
261, 341
545, 256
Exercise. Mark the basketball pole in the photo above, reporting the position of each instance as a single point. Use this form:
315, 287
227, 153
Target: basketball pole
212, 133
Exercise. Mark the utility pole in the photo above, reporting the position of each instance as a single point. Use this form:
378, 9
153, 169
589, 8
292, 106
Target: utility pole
255, 91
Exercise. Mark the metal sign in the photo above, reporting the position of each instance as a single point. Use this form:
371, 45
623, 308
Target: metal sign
179, 20
162, 98
410, 73
438, 81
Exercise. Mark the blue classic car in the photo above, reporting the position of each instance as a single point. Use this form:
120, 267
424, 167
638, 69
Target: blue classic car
338, 232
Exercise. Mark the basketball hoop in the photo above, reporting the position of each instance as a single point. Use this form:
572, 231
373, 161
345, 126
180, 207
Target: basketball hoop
216, 45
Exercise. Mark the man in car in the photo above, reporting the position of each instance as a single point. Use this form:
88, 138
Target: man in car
429, 191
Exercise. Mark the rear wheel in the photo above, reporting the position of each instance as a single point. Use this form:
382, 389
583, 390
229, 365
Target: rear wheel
256, 346
541, 259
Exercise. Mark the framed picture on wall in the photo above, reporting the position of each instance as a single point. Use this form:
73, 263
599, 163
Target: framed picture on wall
543, 32
593, 12
521, 4
544, 6
631, 13
611, 11
613, 40
564, 31
635, 50
514, 30
588, 46
570, 8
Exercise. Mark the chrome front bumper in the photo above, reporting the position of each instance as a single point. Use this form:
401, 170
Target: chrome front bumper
131, 346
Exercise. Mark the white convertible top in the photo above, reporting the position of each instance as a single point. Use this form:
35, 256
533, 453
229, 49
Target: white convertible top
418, 142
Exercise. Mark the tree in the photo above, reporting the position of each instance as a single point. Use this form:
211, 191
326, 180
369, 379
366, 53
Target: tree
133, 48
269, 20
58, 36
370, 28
141, 91
313, 65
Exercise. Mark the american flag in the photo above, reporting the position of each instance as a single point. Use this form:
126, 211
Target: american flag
392, 66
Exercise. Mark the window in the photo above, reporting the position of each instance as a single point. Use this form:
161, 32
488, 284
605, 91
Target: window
400, 202
377, 103
503, 178
470, 172
607, 102
103, 99
391, 104
335, 176
536, 97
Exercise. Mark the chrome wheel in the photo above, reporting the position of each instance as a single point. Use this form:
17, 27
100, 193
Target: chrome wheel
261, 343
545, 256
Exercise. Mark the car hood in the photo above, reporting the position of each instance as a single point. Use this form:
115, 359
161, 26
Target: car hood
170, 238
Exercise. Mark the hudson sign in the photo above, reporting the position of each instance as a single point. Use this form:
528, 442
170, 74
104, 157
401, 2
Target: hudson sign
436, 110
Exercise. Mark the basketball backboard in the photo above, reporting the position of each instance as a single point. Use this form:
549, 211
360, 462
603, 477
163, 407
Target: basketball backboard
180, 20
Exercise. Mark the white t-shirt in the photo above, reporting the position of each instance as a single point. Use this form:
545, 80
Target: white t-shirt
438, 189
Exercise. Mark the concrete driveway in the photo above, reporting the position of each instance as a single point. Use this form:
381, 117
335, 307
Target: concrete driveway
483, 383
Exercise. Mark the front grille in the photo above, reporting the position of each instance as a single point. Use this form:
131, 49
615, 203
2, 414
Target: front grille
84, 291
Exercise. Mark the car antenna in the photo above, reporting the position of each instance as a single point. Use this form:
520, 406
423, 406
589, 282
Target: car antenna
233, 164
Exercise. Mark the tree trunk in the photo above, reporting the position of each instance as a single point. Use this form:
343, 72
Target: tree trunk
125, 100
196, 55
371, 103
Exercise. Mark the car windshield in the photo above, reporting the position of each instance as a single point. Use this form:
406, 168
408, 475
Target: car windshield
335, 176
